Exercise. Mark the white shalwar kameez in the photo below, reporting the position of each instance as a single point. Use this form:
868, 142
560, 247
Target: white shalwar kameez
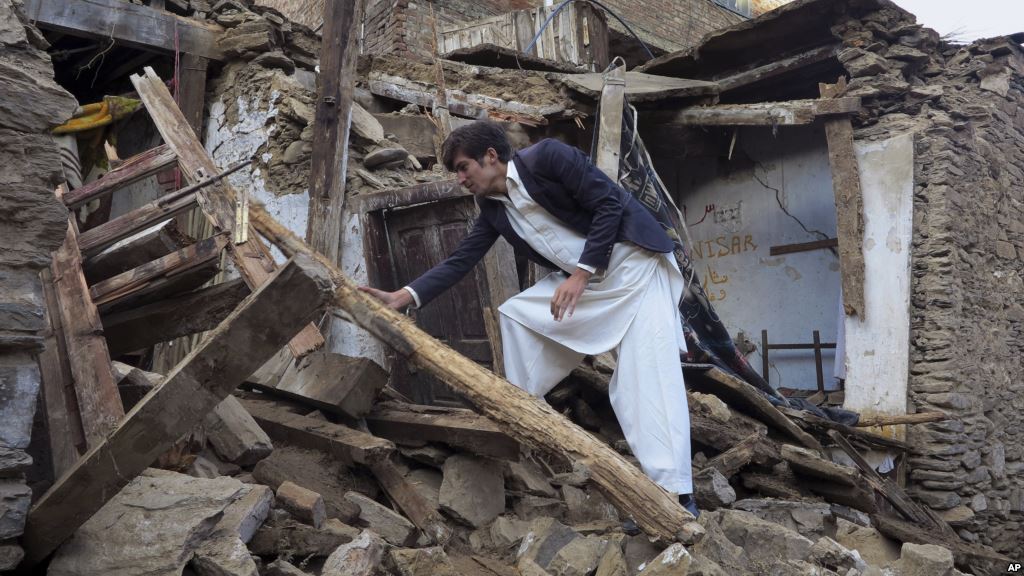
629, 309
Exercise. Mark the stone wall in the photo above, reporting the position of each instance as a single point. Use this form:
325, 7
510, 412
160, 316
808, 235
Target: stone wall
404, 26
963, 104
32, 224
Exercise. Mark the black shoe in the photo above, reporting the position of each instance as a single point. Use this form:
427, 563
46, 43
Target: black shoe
690, 504
630, 527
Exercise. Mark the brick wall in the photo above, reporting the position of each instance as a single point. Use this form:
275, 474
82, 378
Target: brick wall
404, 26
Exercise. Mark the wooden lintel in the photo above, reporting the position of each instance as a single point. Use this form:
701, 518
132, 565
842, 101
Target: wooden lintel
789, 113
345, 444
134, 169
98, 400
252, 257
129, 24
258, 328
174, 263
184, 315
776, 68
456, 427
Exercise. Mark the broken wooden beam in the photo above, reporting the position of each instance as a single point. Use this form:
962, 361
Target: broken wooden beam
609, 135
136, 168
896, 419
128, 24
159, 272
821, 426
98, 400
184, 315
457, 427
790, 113
425, 516
341, 384
753, 449
104, 235
520, 415
252, 258
135, 251
749, 400
810, 463
345, 444
261, 325
776, 68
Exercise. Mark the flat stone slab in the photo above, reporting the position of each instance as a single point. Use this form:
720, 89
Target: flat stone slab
473, 489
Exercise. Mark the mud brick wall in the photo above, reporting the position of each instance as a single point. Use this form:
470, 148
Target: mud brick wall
404, 26
32, 224
963, 103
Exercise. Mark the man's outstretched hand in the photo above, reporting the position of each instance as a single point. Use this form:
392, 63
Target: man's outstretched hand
395, 300
568, 293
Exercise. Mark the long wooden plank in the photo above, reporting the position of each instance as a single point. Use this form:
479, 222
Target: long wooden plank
95, 388
184, 315
128, 24
457, 427
339, 48
745, 398
174, 263
252, 258
341, 442
519, 414
776, 68
842, 160
135, 251
789, 113
260, 326
63, 421
609, 137
134, 169
95, 240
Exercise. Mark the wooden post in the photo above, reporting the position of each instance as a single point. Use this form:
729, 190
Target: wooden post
338, 54
849, 203
252, 258
609, 137
521, 415
98, 398
260, 326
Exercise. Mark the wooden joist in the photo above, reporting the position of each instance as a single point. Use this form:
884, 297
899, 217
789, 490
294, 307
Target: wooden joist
134, 169
789, 113
519, 414
184, 315
754, 448
775, 69
810, 463
252, 258
168, 267
257, 329
100, 237
341, 442
135, 251
457, 427
128, 24
425, 516
98, 400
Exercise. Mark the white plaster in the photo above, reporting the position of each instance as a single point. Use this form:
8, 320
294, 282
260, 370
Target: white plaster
790, 295
878, 348
346, 338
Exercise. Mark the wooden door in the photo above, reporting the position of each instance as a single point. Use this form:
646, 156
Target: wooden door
420, 237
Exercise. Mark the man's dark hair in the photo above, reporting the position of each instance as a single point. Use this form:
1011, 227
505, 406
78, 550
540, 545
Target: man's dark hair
473, 140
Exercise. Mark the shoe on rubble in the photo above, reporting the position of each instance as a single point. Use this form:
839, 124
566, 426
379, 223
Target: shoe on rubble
690, 504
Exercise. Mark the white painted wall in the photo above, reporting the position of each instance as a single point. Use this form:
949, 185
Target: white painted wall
789, 295
878, 348
229, 143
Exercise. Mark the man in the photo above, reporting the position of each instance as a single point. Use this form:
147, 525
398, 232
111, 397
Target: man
616, 286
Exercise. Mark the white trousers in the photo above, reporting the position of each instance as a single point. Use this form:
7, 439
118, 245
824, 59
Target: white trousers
646, 389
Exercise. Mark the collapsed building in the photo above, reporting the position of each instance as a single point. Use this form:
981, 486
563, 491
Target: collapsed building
849, 185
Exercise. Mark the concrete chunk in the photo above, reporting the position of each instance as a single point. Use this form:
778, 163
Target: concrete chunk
304, 504
235, 435
712, 489
526, 477
360, 557
473, 489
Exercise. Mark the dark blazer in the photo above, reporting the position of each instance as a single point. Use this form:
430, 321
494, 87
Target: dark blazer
563, 181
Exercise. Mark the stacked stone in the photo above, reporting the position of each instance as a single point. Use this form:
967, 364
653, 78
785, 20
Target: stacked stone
963, 104
32, 224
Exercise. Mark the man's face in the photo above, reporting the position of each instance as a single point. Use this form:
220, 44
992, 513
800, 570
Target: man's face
481, 178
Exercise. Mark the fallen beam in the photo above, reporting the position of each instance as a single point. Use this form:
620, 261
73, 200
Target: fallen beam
416, 508
457, 427
341, 442
128, 24
261, 325
791, 113
754, 448
136, 168
895, 419
184, 315
519, 414
776, 68
135, 251
100, 237
218, 201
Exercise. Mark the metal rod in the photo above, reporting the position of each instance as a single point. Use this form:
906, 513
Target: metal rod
817, 362
177, 194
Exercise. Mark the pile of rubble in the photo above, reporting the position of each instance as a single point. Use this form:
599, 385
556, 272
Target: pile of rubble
276, 486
